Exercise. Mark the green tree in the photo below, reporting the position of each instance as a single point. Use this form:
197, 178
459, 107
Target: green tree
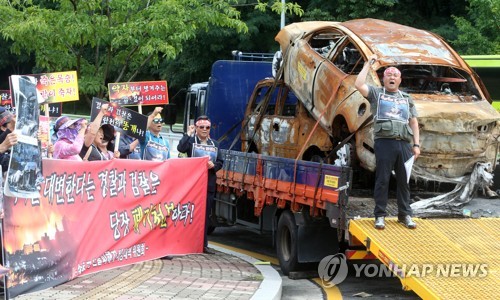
194, 63
480, 33
109, 40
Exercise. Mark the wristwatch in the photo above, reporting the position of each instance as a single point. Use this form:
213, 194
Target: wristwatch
416, 145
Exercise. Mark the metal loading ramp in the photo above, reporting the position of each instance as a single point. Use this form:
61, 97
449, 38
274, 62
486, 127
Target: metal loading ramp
442, 258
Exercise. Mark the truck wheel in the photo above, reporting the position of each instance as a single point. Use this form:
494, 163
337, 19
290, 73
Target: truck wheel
286, 243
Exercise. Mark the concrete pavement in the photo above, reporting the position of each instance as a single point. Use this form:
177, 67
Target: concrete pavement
223, 275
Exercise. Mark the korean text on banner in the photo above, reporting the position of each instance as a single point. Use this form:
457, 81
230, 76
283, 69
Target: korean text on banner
58, 87
94, 216
139, 93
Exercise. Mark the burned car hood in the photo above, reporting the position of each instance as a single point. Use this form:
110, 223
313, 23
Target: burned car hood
454, 117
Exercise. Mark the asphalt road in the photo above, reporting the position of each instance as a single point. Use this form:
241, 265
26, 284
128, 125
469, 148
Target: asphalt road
353, 287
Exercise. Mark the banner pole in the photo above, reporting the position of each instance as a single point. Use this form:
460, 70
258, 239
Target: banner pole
5, 276
49, 140
117, 141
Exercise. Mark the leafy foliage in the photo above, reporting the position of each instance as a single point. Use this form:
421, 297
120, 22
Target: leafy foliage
178, 40
481, 32
109, 40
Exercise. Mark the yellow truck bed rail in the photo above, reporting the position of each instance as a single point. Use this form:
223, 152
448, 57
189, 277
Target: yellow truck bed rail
442, 258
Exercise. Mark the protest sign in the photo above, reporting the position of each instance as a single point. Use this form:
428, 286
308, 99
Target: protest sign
58, 86
139, 93
99, 215
24, 173
201, 150
132, 123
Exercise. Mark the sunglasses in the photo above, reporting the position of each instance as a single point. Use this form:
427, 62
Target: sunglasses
204, 127
157, 121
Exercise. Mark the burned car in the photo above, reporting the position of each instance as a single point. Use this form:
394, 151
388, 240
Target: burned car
458, 125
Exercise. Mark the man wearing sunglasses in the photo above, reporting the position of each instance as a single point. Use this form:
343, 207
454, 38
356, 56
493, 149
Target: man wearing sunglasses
197, 137
154, 146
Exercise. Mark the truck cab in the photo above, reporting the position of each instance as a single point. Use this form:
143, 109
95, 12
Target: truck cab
196, 96
224, 96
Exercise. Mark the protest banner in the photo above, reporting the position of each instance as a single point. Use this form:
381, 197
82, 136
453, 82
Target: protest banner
58, 86
132, 123
54, 110
6, 100
99, 215
139, 93
155, 152
24, 173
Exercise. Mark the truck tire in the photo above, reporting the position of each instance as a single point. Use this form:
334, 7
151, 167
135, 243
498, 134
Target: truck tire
286, 243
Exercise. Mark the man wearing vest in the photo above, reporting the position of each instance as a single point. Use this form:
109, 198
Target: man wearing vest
396, 137
198, 137
154, 147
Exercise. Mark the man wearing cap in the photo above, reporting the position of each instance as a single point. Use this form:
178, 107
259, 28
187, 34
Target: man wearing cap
7, 122
396, 137
154, 146
199, 134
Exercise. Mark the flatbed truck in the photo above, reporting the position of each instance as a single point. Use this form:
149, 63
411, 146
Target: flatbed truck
306, 204
307, 208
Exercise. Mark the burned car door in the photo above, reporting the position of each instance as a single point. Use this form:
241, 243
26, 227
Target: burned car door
253, 136
272, 125
284, 125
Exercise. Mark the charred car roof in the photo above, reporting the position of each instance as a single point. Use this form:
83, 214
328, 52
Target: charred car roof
393, 43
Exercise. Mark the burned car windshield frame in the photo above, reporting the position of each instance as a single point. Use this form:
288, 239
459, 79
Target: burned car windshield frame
417, 78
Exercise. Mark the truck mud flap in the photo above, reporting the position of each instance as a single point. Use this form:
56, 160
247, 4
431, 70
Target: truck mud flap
316, 242
336, 216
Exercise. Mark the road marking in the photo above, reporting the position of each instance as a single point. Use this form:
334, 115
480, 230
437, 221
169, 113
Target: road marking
256, 255
332, 293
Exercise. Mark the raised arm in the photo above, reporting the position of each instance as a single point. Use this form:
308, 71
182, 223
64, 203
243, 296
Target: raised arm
157, 110
360, 83
94, 126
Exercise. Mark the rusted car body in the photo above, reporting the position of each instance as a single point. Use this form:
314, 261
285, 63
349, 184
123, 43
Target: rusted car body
458, 125
284, 126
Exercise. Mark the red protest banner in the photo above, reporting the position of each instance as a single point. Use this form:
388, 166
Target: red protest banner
141, 92
93, 216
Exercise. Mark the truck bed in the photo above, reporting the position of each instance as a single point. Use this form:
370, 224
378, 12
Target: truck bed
442, 258
362, 207
268, 180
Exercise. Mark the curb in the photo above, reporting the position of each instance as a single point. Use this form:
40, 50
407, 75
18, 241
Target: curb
271, 286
